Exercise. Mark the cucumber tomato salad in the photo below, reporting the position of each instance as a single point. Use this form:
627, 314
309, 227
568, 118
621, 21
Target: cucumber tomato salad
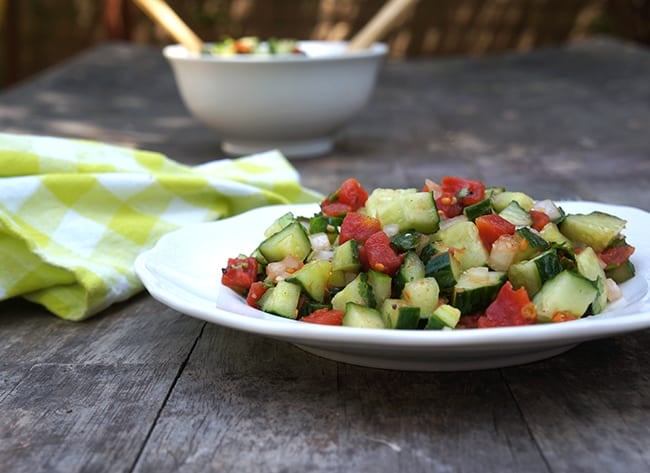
453, 254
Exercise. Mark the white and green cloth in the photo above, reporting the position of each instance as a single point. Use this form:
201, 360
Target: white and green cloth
75, 214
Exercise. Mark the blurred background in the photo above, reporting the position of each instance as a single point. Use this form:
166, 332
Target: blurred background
36, 34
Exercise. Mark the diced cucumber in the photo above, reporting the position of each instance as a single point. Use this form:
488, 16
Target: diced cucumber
313, 278
338, 279
491, 191
322, 223
445, 268
281, 300
445, 316
532, 274
465, 239
381, 285
597, 229
398, 314
516, 215
423, 293
535, 242
291, 240
484, 207
589, 266
408, 241
621, 273
552, 234
279, 224
357, 291
406, 208
412, 268
476, 289
502, 199
346, 257
357, 315
568, 292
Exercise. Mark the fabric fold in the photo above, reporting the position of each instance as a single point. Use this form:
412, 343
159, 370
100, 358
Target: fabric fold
74, 214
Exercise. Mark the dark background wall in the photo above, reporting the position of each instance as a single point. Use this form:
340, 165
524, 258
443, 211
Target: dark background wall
36, 34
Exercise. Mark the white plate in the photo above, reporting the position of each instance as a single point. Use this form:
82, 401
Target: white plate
183, 271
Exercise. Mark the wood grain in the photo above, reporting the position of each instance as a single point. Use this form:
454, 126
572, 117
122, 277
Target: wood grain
142, 388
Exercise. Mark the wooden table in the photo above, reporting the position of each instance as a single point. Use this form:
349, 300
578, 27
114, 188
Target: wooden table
143, 388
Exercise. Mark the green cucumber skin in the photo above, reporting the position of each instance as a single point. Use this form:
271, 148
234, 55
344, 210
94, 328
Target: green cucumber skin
596, 229
358, 291
567, 292
282, 300
444, 268
313, 278
474, 299
291, 240
357, 315
412, 268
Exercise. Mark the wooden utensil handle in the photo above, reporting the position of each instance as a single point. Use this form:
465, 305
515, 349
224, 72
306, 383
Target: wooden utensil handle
162, 14
380, 24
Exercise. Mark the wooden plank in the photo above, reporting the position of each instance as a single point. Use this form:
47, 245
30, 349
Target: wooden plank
589, 409
83, 396
249, 403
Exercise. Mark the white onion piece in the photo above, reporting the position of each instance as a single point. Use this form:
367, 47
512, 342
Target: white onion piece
549, 208
320, 242
324, 255
614, 292
391, 229
446, 223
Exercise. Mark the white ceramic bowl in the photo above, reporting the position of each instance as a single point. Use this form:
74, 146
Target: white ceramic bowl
295, 104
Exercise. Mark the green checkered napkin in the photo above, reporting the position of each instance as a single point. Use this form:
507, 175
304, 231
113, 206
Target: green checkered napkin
75, 214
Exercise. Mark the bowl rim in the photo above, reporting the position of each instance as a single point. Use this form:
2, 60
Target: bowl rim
179, 52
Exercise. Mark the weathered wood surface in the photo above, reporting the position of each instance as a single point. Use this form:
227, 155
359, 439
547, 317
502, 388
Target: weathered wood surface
142, 388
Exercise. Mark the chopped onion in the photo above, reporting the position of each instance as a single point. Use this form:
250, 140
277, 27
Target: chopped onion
280, 270
446, 223
614, 292
503, 252
320, 242
549, 208
391, 229
324, 255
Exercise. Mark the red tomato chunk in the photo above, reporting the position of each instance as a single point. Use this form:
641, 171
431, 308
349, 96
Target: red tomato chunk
350, 196
491, 227
511, 307
239, 274
255, 293
457, 193
380, 255
358, 227
325, 317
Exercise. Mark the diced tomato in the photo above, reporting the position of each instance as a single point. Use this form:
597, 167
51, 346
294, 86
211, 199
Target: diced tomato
540, 219
469, 320
325, 317
457, 193
256, 291
449, 206
467, 191
334, 209
615, 255
563, 317
491, 227
381, 256
511, 307
358, 227
350, 196
239, 274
